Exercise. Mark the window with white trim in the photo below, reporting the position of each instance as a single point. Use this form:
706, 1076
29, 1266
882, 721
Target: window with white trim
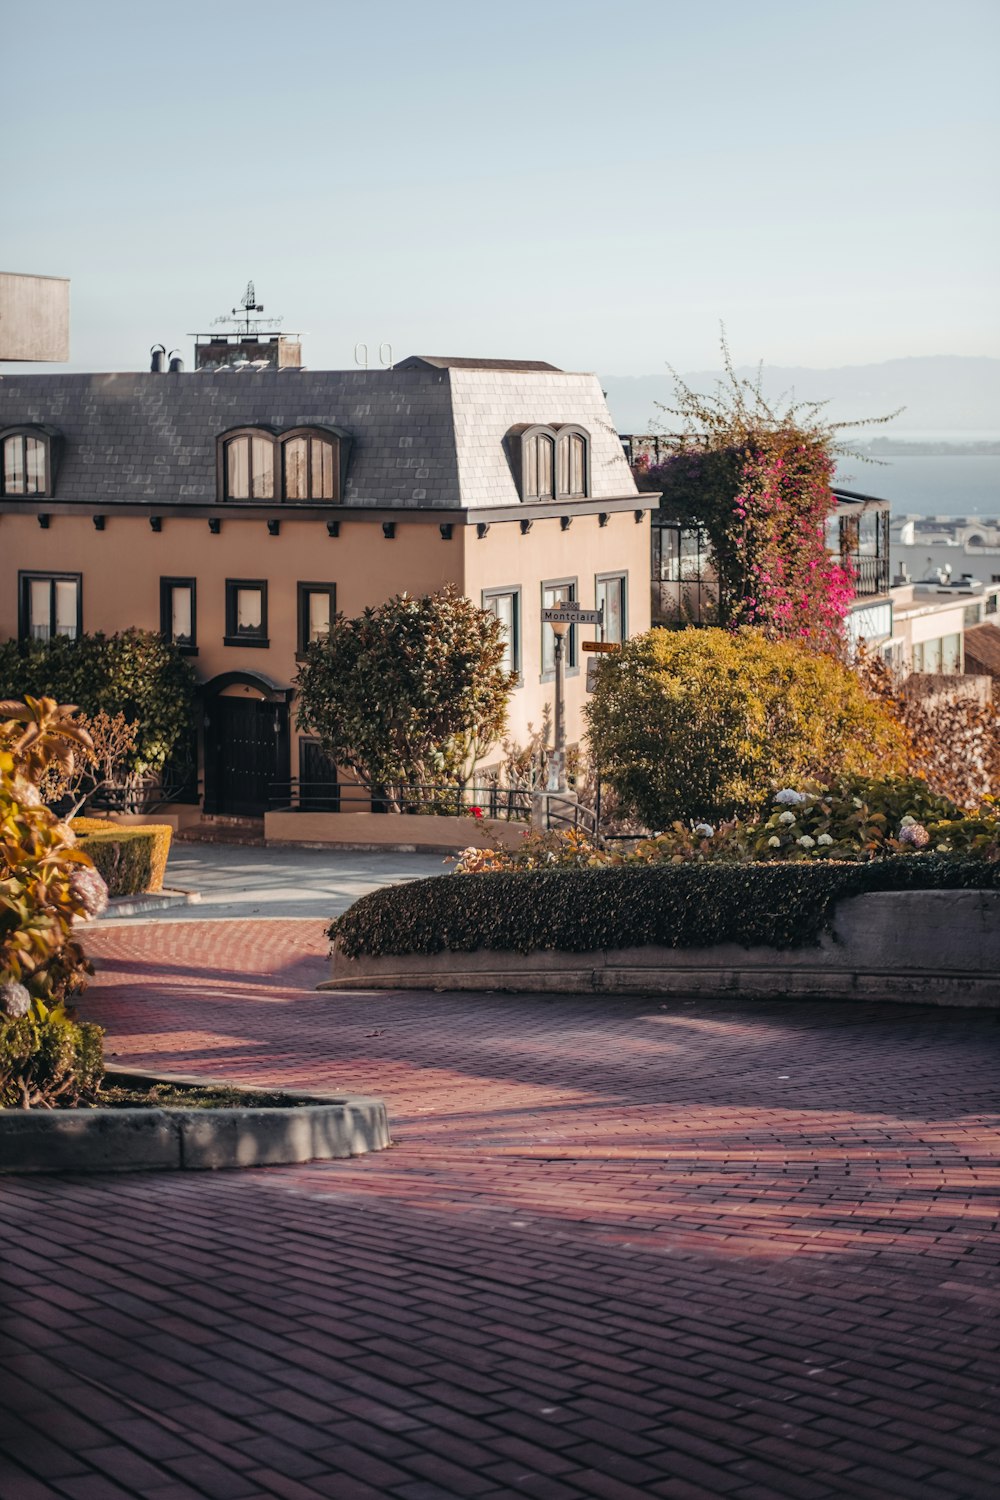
609, 594
506, 605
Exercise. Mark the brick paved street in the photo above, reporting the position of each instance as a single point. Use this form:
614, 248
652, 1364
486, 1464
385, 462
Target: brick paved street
620, 1249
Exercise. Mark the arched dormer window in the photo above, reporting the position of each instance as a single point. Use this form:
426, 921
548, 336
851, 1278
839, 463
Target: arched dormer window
310, 465
538, 464
248, 464
550, 462
573, 478
302, 465
26, 461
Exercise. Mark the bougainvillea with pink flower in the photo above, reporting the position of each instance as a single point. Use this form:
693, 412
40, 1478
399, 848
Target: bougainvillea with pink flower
758, 481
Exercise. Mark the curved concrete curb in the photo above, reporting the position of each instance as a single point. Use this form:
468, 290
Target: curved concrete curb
127, 1140
149, 901
929, 947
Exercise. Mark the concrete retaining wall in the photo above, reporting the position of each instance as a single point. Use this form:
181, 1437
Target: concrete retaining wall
391, 830
937, 947
124, 1140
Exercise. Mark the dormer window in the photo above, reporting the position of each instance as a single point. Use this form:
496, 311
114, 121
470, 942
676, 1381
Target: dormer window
303, 465
550, 463
572, 475
25, 462
311, 466
248, 466
538, 448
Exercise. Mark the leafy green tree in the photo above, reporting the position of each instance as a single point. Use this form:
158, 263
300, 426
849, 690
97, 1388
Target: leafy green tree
411, 693
704, 723
135, 673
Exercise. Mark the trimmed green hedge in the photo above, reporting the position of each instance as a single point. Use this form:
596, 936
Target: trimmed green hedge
671, 906
131, 857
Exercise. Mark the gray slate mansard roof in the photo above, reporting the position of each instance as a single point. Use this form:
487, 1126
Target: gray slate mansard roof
429, 436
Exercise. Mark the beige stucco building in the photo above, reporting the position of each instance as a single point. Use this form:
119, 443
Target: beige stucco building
236, 508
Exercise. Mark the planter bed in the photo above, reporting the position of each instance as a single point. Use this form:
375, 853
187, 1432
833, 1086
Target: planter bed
271, 1128
782, 932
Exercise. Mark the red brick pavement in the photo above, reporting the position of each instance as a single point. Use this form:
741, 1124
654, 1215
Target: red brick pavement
621, 1248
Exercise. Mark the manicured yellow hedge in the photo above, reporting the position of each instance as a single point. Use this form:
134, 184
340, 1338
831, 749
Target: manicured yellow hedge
131, 857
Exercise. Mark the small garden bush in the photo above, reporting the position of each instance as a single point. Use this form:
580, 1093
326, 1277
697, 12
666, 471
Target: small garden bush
855, 819
49, 1061
132, 859
778, 905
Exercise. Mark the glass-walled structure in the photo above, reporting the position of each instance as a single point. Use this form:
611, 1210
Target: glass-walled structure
858, 533
684, 589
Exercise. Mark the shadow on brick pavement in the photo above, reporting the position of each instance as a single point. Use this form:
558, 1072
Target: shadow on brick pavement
620, 1248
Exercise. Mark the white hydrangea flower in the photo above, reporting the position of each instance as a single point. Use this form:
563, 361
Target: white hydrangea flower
787, 817
806, 842
824, 839
89, 890
788, 797
906, 821
774, 843
704, 830
14, 1000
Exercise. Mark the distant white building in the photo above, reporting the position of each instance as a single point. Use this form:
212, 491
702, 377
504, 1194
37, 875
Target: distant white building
34, 318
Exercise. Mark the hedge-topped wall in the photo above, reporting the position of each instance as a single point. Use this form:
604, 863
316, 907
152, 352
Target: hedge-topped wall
672, 906
131, 857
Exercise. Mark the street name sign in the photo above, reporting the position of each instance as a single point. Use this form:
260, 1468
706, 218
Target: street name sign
600, 645
570, 614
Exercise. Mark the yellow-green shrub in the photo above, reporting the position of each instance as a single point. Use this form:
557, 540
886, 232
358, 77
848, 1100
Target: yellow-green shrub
132, 858
702, 723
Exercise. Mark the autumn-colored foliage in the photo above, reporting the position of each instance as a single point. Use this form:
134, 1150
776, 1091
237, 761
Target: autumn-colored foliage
46, 883
953, 735
757, 480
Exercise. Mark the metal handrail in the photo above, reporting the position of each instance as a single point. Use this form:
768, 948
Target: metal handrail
510, 804
566, 812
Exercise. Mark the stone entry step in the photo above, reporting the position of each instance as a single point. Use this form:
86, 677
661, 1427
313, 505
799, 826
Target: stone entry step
223, 831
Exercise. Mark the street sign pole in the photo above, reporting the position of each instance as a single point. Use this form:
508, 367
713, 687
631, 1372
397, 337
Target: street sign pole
562, 618
557, 762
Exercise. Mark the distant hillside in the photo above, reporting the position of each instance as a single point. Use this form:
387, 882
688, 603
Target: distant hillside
941, 393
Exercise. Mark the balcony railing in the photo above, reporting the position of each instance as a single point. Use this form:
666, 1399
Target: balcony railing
871, 575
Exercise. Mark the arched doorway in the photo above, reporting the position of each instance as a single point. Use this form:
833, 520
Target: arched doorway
247, 763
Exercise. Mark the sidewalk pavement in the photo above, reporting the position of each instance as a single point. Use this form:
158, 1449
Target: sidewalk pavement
248, 881
620, 1249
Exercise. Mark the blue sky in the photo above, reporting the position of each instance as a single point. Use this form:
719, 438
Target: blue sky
598, 185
